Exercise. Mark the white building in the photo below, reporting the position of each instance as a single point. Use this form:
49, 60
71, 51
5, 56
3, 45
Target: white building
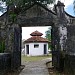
36, 45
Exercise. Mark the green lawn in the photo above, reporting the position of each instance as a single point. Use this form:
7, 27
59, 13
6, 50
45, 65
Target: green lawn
34, 58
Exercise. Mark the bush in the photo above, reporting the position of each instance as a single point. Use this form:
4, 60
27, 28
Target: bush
2, 46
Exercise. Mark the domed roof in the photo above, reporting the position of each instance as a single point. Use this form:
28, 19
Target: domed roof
36, 39
36, 33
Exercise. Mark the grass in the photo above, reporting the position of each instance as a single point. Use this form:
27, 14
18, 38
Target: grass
34, 58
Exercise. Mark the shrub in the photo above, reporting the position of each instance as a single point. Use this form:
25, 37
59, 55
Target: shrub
2, 46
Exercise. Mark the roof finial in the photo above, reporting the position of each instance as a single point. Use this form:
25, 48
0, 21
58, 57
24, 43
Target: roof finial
60, 3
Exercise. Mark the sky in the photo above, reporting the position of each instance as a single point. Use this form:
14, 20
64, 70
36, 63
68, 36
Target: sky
26, 31
69, 7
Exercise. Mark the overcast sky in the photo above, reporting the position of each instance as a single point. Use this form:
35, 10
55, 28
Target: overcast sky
26, 31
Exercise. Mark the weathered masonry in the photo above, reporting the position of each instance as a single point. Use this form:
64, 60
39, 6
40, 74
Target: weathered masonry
63, 32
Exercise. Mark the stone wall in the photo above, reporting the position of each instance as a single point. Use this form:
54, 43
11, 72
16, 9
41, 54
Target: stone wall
69, 64
5, 65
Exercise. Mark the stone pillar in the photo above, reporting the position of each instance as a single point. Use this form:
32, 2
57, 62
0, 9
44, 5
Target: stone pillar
55, 46
13, 45
62, 24
16, 52
60, 36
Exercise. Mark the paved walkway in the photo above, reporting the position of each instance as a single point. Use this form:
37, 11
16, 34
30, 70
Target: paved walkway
36, 68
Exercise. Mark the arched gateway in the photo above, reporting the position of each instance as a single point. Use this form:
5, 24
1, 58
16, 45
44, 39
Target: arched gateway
38, 15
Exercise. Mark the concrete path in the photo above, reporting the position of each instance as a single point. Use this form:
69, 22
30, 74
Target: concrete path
36, 68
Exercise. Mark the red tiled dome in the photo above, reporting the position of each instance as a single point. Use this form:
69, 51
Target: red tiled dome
36, 33
36, 39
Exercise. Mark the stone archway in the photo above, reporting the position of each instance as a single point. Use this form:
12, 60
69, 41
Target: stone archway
36, 15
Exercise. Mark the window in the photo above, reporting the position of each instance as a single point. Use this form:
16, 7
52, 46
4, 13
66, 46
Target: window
36, 45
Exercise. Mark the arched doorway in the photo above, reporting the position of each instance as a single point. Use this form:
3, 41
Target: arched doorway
36, 15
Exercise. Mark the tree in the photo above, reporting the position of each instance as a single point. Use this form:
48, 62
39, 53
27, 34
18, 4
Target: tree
2, 7
21, 3
48, 36
2, 46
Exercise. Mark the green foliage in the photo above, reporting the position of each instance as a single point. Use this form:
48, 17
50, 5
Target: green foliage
25, 2
19, 5
2, 46
48, 36
12, 16
2, 7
